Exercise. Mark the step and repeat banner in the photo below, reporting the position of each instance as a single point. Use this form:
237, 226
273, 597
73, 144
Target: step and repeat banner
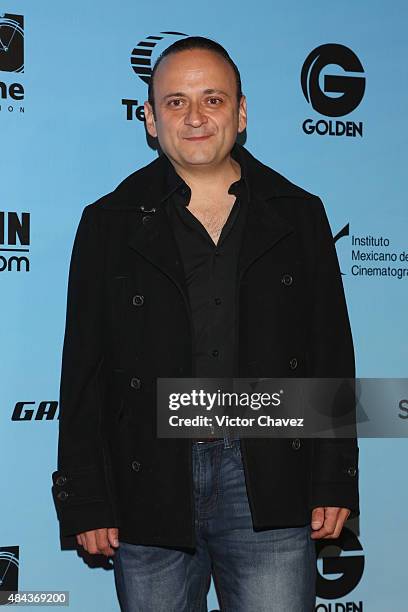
326, 85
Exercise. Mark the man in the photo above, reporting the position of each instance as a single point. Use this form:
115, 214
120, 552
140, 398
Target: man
204, 263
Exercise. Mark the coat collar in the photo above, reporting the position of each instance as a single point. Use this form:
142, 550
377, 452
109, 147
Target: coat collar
150, 183
146, 190
175, 182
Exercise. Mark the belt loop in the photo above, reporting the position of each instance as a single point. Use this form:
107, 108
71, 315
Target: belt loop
227, 440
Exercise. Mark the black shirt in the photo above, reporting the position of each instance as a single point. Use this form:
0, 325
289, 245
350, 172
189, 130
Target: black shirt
211, 276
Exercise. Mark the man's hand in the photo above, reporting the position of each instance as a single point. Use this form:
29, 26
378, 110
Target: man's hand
327, 522
99, 541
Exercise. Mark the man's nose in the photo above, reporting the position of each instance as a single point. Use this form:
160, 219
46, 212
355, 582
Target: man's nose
194, 116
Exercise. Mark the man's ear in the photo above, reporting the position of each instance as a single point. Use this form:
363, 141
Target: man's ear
149, 119
242, 114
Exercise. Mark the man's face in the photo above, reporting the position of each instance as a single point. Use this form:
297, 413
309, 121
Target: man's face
197, 112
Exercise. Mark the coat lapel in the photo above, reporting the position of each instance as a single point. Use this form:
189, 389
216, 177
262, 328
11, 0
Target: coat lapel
155, 241
264, 227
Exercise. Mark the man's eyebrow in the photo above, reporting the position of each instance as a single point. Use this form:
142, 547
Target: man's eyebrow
176, 93
205, 91
215, 91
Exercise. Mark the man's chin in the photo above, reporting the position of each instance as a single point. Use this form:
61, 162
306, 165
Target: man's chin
199, 161
198, 157
195, 154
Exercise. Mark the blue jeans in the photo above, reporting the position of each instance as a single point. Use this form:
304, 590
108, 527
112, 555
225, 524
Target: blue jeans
273, 570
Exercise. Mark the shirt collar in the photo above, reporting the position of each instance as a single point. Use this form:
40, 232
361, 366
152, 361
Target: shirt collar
174, 182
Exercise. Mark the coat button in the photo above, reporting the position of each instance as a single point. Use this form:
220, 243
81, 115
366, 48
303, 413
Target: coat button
287, 279
62, 495
293, 363
135, 383
296, 444
135, 466
61, 480
351, 471
138, 300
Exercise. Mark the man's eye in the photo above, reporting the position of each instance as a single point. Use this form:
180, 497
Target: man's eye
214, 101
175, 102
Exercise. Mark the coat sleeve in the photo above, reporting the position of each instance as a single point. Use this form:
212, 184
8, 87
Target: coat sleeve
80, 490
334, 479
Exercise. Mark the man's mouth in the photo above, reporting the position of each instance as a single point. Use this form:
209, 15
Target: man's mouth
197, 138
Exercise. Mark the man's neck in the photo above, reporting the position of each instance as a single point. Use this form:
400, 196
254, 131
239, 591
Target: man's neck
210, 180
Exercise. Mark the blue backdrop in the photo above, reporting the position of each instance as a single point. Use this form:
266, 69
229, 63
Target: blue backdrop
71, 129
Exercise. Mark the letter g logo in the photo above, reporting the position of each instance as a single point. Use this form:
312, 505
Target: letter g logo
351, 87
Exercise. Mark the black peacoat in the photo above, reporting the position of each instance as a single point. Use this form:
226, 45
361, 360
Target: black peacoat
128, 322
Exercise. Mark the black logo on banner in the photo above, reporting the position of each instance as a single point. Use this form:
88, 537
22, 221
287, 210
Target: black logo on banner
350, 568
141, 57
46, 410
9, 564
346, 90
11, 60
351, 87
141, 63
14, 229
345, 231
11, 42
